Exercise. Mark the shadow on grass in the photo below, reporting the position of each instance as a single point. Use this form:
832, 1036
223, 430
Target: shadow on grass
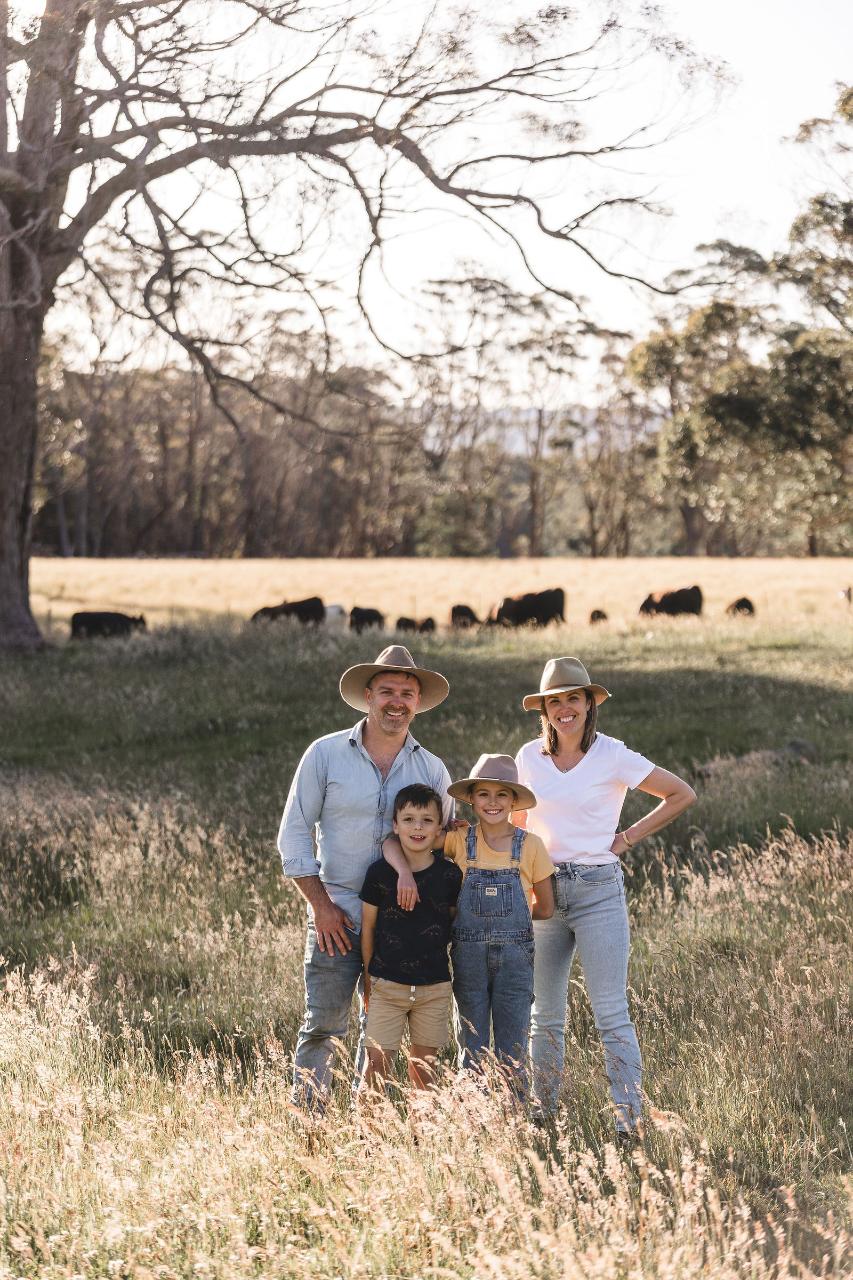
225, 715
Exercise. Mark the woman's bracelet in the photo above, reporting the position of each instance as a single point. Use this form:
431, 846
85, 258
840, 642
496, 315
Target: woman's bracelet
628, 843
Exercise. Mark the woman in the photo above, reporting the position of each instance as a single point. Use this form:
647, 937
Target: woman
580, 778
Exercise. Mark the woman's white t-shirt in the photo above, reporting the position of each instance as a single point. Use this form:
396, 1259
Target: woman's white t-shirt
577, 813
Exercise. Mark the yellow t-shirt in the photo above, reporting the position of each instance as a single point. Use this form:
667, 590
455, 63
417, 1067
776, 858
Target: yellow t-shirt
535, 862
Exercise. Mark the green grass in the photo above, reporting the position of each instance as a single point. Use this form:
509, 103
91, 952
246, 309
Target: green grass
222, 714
141, 785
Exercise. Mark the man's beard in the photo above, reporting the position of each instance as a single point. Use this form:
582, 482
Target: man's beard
400, 722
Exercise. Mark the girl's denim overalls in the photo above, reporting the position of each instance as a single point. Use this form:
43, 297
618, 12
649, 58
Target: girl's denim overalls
492, 954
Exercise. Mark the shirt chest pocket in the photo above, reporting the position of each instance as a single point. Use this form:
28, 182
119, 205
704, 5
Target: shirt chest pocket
491, 899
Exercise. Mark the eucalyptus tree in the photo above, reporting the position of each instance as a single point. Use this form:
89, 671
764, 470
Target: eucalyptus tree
195, 156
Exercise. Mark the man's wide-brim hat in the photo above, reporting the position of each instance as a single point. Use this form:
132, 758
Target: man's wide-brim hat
500, 769
354, 681
563, 675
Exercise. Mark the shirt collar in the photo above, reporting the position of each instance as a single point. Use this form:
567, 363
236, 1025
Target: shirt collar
356, 737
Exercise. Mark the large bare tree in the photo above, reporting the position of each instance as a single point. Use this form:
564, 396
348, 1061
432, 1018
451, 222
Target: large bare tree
214, 142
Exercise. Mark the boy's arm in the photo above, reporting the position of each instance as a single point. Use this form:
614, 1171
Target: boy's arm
407, 890
368, 933
543, 899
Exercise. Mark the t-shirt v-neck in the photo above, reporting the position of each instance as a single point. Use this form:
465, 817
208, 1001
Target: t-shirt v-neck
577, 813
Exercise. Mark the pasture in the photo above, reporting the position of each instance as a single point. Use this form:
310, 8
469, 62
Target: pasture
176, 591
152, 951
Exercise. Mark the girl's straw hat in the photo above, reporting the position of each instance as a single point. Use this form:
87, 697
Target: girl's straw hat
563, 675
434, 687
501, 769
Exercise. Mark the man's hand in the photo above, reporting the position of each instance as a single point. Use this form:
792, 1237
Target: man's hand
330, 925
407, 890
458, 824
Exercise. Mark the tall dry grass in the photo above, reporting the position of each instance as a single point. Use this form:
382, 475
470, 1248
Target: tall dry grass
147, 1023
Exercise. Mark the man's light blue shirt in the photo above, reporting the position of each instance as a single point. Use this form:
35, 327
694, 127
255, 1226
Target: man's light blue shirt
339, 799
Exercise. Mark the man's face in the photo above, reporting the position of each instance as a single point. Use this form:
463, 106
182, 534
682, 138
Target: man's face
392, 701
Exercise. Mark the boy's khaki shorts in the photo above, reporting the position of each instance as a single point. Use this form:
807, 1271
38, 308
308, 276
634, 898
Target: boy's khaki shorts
393, 1004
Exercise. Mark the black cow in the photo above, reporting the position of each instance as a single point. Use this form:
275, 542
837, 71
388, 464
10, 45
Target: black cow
536, 607
463, 616
598, 615
673, 603
84, 626
742, 607
310, 610
406, 624
361, 619
426, 626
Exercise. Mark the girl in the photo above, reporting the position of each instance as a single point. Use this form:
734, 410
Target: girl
507, 885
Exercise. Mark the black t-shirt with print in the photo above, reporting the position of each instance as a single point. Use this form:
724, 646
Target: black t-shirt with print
411, 946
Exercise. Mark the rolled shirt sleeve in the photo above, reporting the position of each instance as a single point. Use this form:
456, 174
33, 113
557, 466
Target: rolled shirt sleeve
301, 814
448, 804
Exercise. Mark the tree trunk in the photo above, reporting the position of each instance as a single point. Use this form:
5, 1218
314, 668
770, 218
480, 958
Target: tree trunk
61, 520
536, 497
81, 516
694, 528
20, 342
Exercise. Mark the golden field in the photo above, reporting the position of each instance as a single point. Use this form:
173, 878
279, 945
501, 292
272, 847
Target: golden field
174, 591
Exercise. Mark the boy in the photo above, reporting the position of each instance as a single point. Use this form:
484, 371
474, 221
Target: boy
406, 971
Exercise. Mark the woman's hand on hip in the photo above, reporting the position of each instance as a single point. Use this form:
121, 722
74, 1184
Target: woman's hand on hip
619, 845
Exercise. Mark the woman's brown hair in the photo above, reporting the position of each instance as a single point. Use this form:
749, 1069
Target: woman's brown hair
550, 742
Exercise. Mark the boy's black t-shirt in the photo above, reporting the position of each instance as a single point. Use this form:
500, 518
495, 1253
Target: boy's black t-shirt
411, 946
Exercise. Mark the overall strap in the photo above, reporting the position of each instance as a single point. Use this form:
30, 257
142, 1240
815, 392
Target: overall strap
518, 837
471, 844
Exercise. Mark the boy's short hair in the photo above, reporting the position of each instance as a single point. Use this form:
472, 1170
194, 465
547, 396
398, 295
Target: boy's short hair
419, 795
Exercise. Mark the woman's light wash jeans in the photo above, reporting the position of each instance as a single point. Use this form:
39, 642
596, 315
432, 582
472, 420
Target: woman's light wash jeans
590, 918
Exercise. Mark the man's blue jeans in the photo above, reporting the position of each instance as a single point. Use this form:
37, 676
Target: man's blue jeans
330, 981
590, 918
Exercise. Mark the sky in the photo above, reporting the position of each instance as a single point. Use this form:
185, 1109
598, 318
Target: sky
731, 175
734, 173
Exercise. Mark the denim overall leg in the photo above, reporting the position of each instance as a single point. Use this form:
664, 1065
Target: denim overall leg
492, 954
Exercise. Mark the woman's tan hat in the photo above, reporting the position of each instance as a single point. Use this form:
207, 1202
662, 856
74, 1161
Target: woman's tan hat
563, 675
434, 687
500, 769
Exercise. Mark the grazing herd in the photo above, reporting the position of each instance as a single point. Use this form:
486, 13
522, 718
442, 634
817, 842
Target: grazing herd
673, 603
310, 610
534, 608
87, 626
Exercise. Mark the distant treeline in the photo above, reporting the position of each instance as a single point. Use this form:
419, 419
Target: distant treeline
693, 448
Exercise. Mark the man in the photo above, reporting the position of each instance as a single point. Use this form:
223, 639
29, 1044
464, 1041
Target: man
343, 795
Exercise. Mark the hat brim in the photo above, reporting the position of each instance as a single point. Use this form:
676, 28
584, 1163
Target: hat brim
525, 799
536, 701
434, 687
